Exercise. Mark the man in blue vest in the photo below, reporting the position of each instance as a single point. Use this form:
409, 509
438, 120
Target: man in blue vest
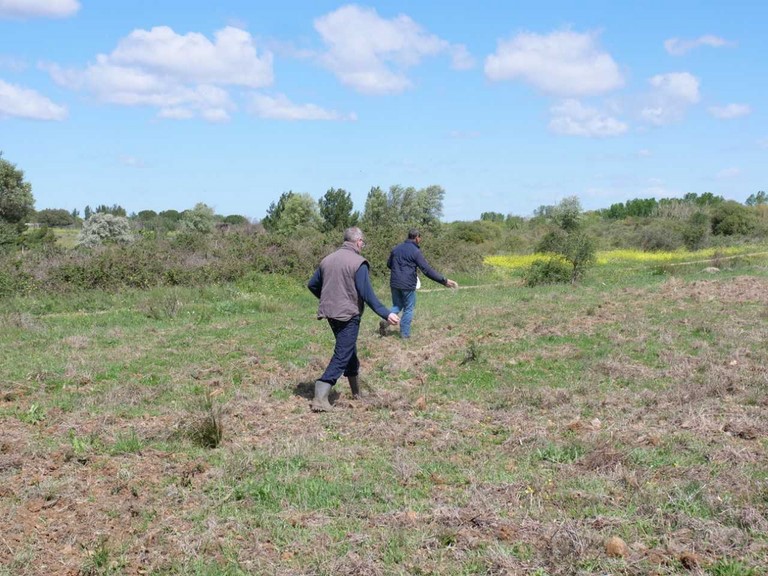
342, 284
404, 260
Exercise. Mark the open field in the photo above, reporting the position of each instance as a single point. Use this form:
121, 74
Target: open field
517, 432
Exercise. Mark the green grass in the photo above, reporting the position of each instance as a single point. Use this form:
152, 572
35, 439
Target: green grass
514, 433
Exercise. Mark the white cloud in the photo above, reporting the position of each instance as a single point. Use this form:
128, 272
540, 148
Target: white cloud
563, 63
678, 47
572, 118
728, 173
280, 108
670, 97
38, 8
181, 75
730, 111
371, 54
763, 143
230, 59
19, 102
644, 153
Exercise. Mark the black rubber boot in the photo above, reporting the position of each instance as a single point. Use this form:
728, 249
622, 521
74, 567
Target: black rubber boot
354, 386
320, 401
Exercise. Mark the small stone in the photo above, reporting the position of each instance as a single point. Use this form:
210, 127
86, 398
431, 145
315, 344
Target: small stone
616, 547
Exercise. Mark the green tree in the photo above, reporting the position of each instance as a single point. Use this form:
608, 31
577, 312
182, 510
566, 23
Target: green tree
16, 200
567, 214
336, 210
404, 207
757, 199
492, 216
200, 219
235, 220
55, 218
376, 211
275, 210
429, 204
115, 210
299, 211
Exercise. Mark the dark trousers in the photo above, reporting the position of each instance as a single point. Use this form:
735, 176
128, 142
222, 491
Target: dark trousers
344, 360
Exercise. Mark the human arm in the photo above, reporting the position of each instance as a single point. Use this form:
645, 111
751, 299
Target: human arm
315, 283
433, 274
430, 272
365, 290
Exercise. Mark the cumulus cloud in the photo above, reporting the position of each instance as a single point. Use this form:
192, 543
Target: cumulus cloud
563, 63
678, 47
38, 8
572, 118
671, 95
281, 108
19, 102
730, 111
372, 54
230, 59
184, 76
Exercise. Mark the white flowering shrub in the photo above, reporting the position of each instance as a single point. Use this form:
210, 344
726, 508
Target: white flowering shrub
102, 228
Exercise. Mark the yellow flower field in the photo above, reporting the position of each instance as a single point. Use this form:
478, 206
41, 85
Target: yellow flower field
514, 261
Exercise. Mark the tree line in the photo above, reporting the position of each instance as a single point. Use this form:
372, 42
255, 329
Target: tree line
199, 246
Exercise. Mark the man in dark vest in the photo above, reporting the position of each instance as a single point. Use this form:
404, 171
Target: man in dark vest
404, 260
342, 284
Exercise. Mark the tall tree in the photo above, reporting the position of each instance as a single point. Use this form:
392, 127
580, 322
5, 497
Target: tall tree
275, 210
757, 199
429, 201
16, 200
376, 208
336, 209
299, 211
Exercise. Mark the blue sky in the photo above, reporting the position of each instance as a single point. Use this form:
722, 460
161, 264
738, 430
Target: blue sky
507, 105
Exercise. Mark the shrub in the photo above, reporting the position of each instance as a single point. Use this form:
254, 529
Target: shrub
13, 278
552, 270
695, 231
661, 236
575, 247
103, 228
730, 218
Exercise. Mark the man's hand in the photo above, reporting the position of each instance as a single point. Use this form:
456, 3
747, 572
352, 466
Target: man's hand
451, 283
393, 319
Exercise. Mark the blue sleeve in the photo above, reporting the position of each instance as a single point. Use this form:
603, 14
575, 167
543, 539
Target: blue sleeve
431, 273
315, 284
364, 288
